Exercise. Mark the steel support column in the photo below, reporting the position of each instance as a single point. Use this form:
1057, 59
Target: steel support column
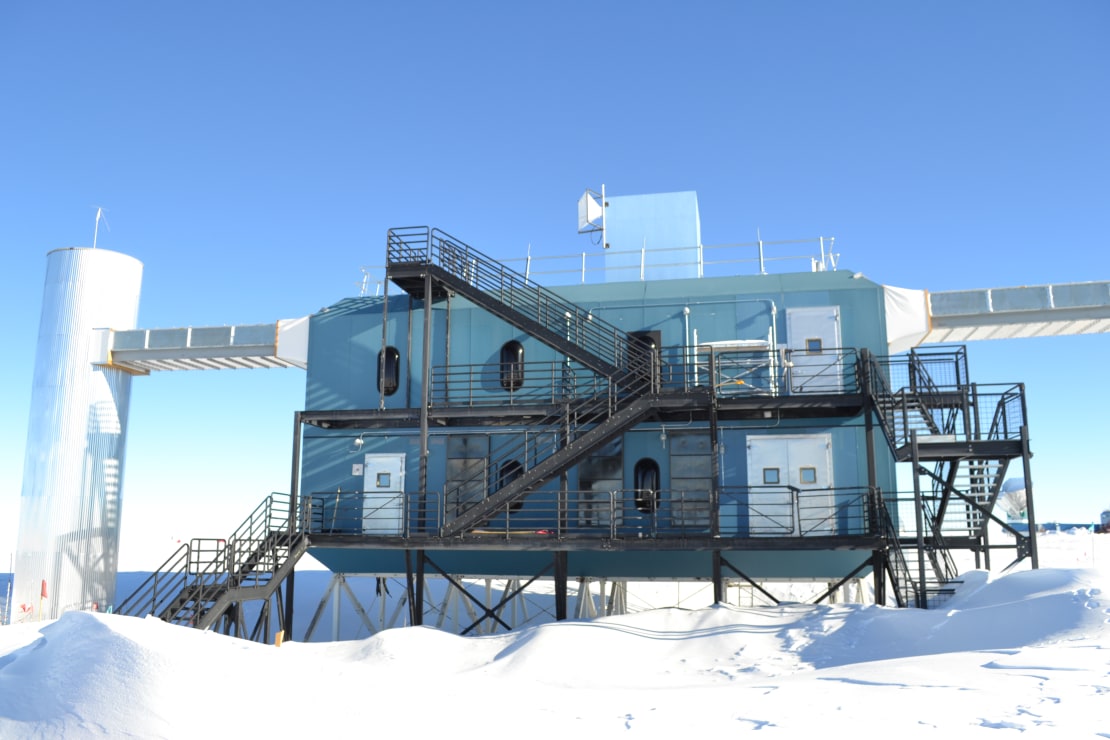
715, 469
919, 515
414, 586
294, 524
718, 579
878, 571
425, 382
1026, 454
560, 585
869, 439
418, 596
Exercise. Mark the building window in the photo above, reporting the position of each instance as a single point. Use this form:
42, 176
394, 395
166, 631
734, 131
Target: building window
813, 346
389, 371
646, 482
770, 476
512, 365
807, 476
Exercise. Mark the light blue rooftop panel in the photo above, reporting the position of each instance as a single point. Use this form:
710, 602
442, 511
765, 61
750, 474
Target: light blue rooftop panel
659, 235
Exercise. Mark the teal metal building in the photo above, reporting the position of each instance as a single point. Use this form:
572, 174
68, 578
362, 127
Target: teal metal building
665, 417
683, 427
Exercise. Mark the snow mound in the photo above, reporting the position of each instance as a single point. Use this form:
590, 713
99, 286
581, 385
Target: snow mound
1023, 651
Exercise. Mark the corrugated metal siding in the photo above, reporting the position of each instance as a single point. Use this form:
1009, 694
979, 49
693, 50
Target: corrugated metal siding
69, 519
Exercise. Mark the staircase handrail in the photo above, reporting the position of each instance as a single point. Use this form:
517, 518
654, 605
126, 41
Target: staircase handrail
160, 587
880, 391
267, 524
1001, 423
944, 567
228, 565
297, 545
920, 376
904, 584
422, 244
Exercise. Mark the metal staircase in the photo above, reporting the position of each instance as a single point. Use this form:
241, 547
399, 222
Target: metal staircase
898, 567
206, 583
416, 256
969, 434
429, 264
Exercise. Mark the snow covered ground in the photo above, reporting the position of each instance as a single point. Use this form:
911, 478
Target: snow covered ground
1025, 652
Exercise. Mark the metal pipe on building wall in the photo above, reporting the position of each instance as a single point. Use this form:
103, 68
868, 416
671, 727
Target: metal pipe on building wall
68, 547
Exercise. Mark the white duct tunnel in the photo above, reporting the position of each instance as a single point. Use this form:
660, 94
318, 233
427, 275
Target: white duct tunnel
921, 317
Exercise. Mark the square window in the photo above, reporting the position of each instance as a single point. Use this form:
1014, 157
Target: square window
383, 480
807, 476
813, 346
770, 476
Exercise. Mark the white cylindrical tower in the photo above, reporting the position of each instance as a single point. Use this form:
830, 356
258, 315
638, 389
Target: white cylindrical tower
70, 507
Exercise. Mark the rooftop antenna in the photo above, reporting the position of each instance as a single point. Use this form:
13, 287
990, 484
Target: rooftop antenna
759, 240
96, 225
591, 214
364, 284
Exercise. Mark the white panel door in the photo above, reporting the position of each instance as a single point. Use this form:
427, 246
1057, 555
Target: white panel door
789, 479
813, 336
383, 497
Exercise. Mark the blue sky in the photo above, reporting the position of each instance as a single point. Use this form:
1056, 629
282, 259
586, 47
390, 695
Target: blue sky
252, 155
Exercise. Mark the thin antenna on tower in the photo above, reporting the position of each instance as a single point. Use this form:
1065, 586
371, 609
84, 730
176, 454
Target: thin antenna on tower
96, 226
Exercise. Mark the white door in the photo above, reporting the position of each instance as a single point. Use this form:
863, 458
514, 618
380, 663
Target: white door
813, 336
789, 481
383, 486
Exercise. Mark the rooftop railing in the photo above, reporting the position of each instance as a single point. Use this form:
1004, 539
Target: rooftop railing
618, 265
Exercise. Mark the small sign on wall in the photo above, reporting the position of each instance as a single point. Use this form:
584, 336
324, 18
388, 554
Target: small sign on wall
356, 469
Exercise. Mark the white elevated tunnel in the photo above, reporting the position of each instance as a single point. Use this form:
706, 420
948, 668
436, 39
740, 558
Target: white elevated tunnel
917, 317
1029, 311
239, 347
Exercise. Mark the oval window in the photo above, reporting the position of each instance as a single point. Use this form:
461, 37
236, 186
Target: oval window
389, 371
646, 482
512, 365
